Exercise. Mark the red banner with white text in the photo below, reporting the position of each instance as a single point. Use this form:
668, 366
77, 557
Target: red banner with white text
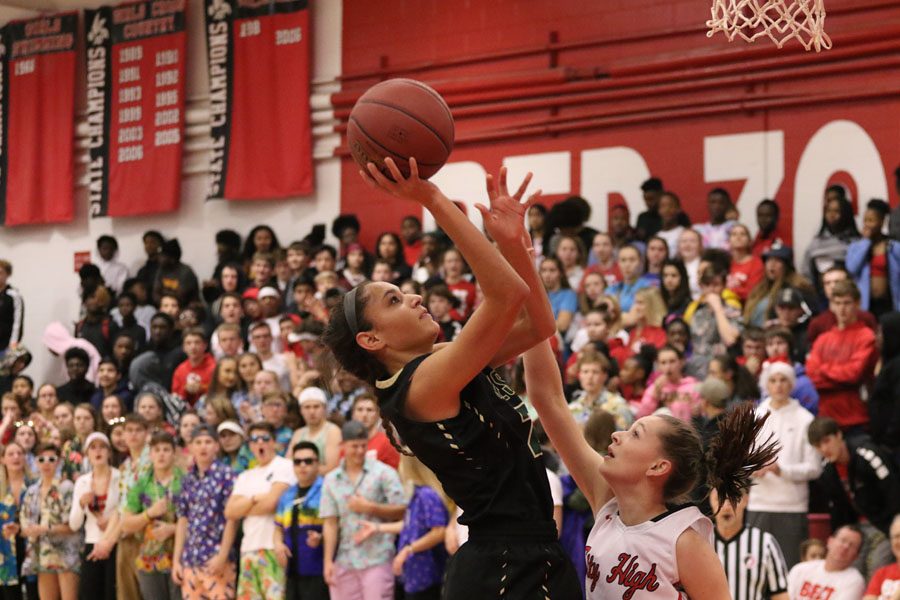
135, 100
259, 98
37, 101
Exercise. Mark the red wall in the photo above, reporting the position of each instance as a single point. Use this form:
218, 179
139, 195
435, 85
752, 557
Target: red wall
661, 96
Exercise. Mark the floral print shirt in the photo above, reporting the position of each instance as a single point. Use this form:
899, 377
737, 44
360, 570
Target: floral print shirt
9, 513
202, 502
377, 482
155, 555
50, 553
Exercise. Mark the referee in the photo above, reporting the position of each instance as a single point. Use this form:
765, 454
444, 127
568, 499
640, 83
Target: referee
754, 565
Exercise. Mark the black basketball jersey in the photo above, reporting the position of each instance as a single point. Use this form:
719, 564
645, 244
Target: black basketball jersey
487, 457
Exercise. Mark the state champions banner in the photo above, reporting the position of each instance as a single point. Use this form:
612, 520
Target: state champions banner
135, 106
37, 110
258, 54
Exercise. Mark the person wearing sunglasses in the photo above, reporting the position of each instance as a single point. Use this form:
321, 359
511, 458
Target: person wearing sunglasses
53, 552
298, 535
254, 499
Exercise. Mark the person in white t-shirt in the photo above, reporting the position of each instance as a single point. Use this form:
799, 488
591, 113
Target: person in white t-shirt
834, 577
644, 545
254, 499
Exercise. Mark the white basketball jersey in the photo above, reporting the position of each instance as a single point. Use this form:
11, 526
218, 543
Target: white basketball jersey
638, 563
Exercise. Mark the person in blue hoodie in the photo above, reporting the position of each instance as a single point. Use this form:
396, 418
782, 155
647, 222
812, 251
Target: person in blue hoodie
874, 263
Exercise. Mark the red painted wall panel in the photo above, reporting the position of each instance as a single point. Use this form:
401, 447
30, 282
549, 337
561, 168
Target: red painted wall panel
848, 95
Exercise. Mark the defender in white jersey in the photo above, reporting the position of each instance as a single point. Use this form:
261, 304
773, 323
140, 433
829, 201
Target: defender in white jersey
643, 546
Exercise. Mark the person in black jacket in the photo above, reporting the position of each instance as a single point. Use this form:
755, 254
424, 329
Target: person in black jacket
884, 404
862, 487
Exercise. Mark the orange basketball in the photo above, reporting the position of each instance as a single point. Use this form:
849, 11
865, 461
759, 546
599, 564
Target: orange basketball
401, 118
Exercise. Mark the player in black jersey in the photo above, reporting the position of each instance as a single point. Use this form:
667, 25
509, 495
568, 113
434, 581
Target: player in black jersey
451, 409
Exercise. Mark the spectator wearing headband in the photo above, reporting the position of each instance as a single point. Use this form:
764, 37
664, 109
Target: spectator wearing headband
323, 433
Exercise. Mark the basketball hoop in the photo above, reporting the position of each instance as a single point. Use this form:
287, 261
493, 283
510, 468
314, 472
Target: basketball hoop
780, 20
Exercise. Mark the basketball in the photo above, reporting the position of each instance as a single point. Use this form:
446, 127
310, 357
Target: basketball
401, 118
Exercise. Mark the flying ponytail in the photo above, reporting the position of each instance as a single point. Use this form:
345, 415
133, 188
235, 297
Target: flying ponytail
732, 458
735, 453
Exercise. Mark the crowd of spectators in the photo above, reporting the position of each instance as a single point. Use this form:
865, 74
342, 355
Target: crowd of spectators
198, 442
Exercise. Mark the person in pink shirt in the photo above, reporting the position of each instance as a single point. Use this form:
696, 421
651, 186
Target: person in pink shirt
191, 378
672, 392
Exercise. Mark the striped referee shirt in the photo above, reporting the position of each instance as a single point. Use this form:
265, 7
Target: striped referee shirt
754, 565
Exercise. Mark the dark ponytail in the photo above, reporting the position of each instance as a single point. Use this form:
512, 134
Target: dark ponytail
731, 459
735, 453
350, 356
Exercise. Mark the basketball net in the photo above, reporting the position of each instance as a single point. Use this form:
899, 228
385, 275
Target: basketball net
780, 20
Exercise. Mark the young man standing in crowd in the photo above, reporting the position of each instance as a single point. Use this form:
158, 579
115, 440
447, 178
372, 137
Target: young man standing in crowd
203, 562
226, 340
114, 272
860, 480
78, 389
358, 489
261, 339
365, 410
274, 411
254, 499
825, 320
752, 558
714, 233
12, 310
150, 508
842, 362
834, 577
649, 221
163, 355
191, 378
131, 470
298, 535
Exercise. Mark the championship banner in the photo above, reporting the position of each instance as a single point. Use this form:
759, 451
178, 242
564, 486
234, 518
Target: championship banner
37, 110
135, 106
259, 98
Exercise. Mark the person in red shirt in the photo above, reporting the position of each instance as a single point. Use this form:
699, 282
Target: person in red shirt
192, 377
365, 410
453, 267
842, 361
826, 320
767, 213
746, 269
885, 583
411, 232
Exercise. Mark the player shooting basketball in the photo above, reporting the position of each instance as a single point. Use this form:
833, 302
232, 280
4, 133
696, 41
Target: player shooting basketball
451, 409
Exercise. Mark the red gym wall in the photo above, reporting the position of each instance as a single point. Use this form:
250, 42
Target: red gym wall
599, 95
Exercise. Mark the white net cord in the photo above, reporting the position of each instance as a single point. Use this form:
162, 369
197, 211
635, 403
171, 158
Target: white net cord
780, 20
